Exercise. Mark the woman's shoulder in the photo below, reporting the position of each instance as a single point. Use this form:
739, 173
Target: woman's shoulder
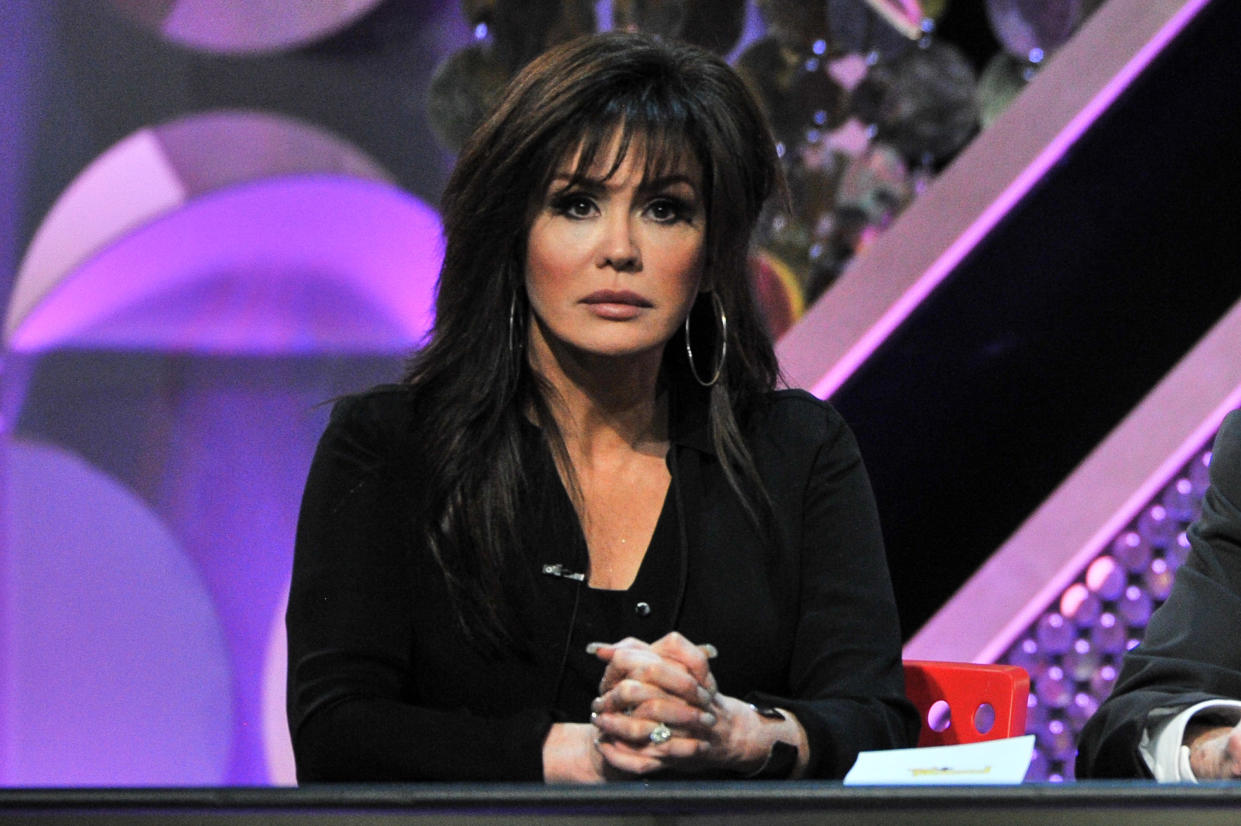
793, 435
375, 423
797, 413
790, 423
380, 406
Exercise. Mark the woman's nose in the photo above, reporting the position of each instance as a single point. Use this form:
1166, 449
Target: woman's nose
618, 248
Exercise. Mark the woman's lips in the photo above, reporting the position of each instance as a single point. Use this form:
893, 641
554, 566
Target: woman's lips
616, 305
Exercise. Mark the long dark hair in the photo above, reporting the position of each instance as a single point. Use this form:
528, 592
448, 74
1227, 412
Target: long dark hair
472, 380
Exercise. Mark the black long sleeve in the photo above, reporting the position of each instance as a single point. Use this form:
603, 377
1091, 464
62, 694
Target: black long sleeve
353, 670
384, 686
1189, 652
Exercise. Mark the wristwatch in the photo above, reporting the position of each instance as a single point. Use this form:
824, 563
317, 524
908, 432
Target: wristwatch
782, 758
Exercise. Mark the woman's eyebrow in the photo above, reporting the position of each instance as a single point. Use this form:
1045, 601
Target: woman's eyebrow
663, 181
566, 179
563, 180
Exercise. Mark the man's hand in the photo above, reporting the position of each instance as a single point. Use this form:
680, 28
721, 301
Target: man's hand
1214, 751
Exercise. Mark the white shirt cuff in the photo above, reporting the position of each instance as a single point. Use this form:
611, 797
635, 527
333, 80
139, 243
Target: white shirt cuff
1161, 745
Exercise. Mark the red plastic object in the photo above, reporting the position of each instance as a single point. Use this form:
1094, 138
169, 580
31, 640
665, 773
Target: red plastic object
969, 690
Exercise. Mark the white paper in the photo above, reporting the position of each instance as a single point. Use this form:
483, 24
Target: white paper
992, 761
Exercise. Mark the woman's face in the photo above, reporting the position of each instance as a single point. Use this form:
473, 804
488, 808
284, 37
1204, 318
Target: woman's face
613, 265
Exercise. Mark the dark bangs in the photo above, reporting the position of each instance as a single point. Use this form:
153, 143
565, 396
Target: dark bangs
656, 125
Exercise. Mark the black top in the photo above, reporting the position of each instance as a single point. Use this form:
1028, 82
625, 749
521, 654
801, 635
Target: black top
598, 615
383, 685
1189, 652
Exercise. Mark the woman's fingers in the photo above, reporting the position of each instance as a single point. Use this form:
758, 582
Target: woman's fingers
648, 667
639, 732
696, 658
674, 646
648, 757
632, 652
644, 703
627, 695
626, 760
605, 650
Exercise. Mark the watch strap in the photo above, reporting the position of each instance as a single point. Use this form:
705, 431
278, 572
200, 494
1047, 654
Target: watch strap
780, 762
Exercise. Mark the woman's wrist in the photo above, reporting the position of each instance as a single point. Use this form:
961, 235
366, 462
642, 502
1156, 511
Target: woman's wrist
756, 731
570, 756
787, 751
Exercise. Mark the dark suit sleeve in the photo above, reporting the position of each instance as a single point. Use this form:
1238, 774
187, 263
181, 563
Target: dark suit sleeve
1190, 652
351, 631
846, 673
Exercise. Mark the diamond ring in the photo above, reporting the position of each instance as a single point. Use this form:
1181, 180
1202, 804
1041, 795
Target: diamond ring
660, 734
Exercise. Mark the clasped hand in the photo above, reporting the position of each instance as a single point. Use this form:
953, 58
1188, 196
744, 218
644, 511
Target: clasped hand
659, 708
1214, 751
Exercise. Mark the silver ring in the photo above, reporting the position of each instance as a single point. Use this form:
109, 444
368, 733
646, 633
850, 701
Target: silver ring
660, 734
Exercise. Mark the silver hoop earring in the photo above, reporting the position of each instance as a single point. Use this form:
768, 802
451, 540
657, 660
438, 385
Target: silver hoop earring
723, 347
512, 323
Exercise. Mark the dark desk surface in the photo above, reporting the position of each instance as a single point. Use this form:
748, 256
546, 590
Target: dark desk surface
656, 803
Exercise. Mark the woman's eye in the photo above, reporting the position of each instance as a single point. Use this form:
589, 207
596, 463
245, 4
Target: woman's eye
666, 211
574, 206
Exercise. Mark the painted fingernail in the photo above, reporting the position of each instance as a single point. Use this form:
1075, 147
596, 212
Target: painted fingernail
707, 719
593, 647
596, 704
710, 650
704, 696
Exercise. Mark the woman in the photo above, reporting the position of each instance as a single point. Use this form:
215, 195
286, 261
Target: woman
584, 540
